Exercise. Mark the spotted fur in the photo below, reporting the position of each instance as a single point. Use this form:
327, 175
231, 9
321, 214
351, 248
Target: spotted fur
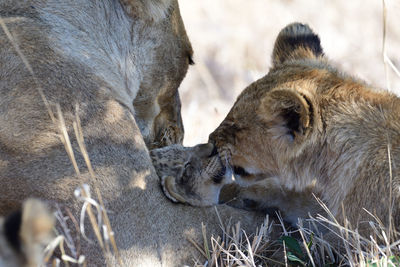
192, 175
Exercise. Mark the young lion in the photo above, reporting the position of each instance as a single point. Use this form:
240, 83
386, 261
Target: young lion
308, 129
23, 235
191, 175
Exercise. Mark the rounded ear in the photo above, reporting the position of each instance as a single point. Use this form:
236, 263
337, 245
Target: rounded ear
37, 222
296, 41
28, 230
288, 113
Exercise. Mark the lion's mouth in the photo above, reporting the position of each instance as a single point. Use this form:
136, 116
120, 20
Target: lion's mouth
169, 187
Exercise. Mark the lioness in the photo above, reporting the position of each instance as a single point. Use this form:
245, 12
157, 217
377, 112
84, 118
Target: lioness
117, 66
308, 129
23, 235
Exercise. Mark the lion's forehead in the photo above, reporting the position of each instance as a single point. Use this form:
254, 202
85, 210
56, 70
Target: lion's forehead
169, 160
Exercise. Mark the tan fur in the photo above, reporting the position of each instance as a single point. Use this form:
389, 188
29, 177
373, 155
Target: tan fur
31, 229
306, 128
312, 129
122, 71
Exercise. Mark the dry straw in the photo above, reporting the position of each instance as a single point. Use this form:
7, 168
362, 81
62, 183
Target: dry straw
64, 137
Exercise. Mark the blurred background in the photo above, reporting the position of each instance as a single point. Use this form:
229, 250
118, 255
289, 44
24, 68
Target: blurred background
233, 42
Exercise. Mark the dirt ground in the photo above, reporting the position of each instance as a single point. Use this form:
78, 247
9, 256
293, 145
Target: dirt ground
233, 41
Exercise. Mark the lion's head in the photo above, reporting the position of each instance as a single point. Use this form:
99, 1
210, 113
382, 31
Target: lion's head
191, 175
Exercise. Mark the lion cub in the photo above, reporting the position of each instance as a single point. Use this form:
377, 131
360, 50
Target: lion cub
191, 175
307, 129
23, 234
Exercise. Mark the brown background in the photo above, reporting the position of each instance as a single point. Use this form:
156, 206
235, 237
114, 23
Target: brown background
233, 41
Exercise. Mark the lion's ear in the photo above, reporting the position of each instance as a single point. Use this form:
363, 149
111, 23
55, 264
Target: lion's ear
29, 229
37, 223
288, 114
296, 41
154, 10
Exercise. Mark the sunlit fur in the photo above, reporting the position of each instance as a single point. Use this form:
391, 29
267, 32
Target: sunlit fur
307, 128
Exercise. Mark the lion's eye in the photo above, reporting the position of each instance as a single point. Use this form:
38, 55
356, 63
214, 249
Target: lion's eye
217, 178
240, 171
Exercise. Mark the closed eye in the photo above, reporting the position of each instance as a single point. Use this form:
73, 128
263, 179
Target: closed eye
240, 171
217, 178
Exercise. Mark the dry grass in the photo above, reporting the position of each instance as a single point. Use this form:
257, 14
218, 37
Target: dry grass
237, 248
101, 226
315, 241
232, 41
274, 245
